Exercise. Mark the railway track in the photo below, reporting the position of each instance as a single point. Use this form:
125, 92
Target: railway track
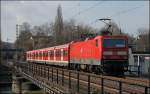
86, 83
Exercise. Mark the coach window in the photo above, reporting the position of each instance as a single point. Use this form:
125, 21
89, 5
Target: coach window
65, 53
36, 55
96, 42
56, 53
49, 53
33, 55
46, 53
39, 54
59, 53
43, 54
52, 53
30, 55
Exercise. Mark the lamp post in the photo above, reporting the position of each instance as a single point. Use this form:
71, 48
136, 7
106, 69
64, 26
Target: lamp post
7, 53
76, 29
32, 41
0, 48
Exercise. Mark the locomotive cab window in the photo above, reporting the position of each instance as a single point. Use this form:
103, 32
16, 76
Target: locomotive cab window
109, 43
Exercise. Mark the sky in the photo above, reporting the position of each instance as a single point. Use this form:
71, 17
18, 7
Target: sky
129, 15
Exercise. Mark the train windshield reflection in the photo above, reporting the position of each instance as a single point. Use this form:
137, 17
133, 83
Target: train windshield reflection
109, 43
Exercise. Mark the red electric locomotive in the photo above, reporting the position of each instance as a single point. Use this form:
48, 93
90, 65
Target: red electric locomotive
103, 54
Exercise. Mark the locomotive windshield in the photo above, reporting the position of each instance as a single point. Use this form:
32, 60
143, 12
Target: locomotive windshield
109, 43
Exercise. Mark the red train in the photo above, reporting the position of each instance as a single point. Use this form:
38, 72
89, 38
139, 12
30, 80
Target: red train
102, 54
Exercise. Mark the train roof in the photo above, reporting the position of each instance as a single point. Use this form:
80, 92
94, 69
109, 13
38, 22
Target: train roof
114, 36
50, 48
67, 45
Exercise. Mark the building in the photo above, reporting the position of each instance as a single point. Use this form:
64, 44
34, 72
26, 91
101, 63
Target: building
140, 62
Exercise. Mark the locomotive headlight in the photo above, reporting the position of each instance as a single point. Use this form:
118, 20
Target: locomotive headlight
121, 53
107, 53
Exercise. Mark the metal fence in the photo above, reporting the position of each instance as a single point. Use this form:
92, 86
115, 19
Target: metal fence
77, 82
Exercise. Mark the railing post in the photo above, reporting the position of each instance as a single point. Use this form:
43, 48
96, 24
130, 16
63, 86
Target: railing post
41, 70
44, 68
62, 77
52, 74
39, 67
146, 90
120, 87
89, 84
77, 81
36, 70
57, 75
69, 79
139, 71
33, 69
28, 68
102, 85
48, 73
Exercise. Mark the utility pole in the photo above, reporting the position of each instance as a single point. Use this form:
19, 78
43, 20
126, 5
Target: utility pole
17, 37
0, 48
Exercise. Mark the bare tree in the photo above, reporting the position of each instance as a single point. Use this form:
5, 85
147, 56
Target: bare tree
143, 40
24, 42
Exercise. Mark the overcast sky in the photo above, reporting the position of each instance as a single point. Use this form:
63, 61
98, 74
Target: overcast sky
129, 15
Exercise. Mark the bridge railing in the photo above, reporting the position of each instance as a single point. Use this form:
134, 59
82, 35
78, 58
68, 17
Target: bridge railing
81, 82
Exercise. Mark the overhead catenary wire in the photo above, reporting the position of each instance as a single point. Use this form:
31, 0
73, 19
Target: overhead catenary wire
118, 13
85, 10
125, 11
